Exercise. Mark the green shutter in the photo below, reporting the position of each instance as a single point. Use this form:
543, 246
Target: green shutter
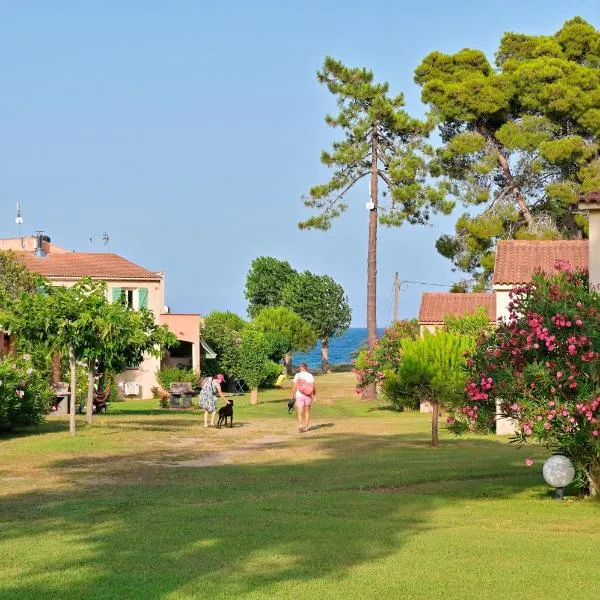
116, 294
143, 292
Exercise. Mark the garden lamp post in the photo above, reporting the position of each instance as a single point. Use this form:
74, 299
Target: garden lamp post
558, 473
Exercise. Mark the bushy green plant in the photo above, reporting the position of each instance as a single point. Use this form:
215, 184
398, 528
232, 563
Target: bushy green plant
25, 396
543, 364
168, 375
371, 364
272, 373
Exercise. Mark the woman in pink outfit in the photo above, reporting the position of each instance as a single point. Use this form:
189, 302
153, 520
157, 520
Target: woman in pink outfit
304, 392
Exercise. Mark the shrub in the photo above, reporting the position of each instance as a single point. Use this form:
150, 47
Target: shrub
371, 364
272, 373
25, 396
168, 375
543, 365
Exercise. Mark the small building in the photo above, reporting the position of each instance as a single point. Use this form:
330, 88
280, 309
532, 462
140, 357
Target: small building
436, 306
125, 281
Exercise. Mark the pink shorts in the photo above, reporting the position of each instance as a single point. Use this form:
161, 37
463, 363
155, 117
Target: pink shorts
302, 400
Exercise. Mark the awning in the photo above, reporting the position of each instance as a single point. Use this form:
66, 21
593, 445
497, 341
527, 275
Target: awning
208, 351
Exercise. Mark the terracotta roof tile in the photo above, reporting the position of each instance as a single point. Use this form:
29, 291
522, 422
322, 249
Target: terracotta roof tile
85, 264
435, 306
590, 198
517, 260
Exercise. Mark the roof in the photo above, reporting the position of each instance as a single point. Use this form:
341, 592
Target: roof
518, 260
74, 265
590, 198
27, 244
436, 306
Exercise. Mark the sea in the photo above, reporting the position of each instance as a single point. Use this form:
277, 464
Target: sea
342, 349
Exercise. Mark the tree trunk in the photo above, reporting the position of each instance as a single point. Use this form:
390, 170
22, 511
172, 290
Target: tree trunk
369, 392
593, 474
56, 374
325, 366
89, 409
73, 407
254, 396
287, 364
434, 424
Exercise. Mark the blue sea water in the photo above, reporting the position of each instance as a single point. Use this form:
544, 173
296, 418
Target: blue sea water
342, 350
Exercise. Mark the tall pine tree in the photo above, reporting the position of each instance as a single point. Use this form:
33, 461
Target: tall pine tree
382, 142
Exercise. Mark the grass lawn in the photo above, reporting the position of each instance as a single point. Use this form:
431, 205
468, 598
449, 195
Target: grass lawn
149, 504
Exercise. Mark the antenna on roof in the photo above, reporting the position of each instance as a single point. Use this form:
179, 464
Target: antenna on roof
19, 222
106, 240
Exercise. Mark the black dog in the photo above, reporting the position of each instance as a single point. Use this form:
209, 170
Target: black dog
224, 412
291, 404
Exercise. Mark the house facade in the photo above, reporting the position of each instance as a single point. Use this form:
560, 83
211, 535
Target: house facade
125, 281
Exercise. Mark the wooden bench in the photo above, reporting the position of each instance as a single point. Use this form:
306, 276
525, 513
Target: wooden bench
181, 394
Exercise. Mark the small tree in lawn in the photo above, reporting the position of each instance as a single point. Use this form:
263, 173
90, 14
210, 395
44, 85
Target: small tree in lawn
222, 332
380, 141
297, 335
323, 304
253, 362
265, 282
433, 369
543, 365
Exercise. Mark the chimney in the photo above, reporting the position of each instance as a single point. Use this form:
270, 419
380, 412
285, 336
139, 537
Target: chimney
590, 202
39, 244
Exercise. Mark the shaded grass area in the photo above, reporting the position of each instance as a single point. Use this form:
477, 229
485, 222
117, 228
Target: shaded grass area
360, 507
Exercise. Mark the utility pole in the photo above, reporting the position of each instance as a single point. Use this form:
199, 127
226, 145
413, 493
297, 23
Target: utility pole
396, 293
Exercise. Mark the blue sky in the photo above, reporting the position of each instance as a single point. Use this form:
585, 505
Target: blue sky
189, 130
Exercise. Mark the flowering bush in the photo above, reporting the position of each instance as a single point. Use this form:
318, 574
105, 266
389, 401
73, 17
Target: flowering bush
25, 396
371, 363
543, 364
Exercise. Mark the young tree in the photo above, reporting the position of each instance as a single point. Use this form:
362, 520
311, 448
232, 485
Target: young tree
296, 334
222, 332
433, 369
264, 283
253, 361
519, 141
382, 142
323, 304
15, 279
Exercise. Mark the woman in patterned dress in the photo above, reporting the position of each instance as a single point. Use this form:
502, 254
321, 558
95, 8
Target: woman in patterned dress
208, 398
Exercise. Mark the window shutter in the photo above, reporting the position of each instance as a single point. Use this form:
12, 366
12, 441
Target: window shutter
143, 297
116, 294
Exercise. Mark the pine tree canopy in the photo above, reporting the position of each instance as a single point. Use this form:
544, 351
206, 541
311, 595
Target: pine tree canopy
519, 141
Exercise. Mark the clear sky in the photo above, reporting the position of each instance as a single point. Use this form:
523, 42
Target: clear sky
188, 130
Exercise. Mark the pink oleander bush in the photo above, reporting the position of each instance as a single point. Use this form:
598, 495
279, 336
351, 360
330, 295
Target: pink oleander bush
543, 364
371, 364
25, 396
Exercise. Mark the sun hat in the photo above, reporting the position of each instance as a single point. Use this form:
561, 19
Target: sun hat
220, 377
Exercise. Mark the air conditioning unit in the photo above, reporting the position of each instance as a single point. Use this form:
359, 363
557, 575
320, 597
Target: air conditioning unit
131, 388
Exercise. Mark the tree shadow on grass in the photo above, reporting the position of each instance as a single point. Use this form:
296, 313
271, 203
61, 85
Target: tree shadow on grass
147, 531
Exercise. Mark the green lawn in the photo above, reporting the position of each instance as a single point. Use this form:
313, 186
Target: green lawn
148, 504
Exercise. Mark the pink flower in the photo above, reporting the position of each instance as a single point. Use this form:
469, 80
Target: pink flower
595, 433
547, 425
579, 322
559, 374
20, 393
528, 462
450, 420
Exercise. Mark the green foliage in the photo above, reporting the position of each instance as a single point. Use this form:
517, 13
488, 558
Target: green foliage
15, 279
168, 375
472, 324
253, 364
372, 364
227, 319
25, 396
520, 140
224, 340
320, 301
293, 333
543, 364
373, 123
265, 282
432, 369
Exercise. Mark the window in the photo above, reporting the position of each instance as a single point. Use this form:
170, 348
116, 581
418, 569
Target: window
134, 298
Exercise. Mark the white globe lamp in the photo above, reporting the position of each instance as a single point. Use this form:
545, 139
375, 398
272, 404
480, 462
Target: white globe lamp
558, 472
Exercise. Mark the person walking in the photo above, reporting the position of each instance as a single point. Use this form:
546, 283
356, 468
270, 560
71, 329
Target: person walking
208, 397
304, 392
